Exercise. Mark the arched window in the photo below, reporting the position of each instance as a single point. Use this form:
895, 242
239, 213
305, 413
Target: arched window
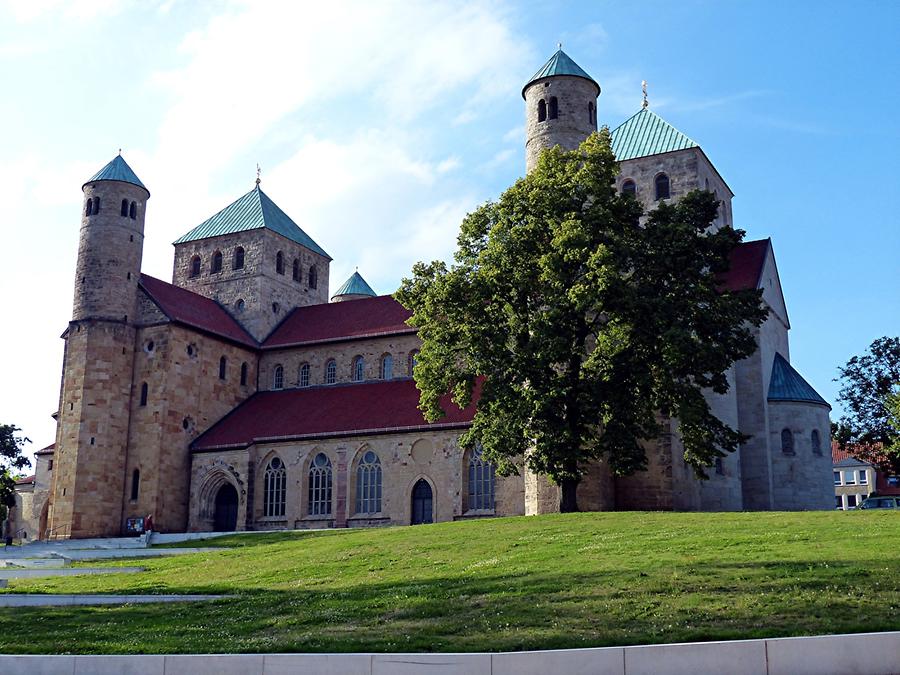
592, 119
88, 205
244, 374
542, 110
359, 369
135, 484
223, 364
787, 442
295, 272
124, 207
303, 375
816, 442
195, 267
132, 212
368, 484
279, 262
662, 186
237, 262
481, 482
217, 262
553, 109
320, 486
629, 188
387, 367
274, 488
313, 277
144, 390
96, 208
413, 357
278, 378
330, 372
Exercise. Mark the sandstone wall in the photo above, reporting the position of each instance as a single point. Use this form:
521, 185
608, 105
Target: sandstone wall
573, 124
802, 479
185, 396
344, 353
405, 458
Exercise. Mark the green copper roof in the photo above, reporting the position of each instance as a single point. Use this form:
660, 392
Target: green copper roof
355, 285
645, 133
117, 169
254, 211
559, 64
788, 385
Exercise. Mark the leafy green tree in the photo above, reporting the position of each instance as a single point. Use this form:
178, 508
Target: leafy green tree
11, 461
870, 394
583, 322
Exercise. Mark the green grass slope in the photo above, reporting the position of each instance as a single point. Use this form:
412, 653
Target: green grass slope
576, 580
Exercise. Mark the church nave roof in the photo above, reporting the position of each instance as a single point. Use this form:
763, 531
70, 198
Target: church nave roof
645, 133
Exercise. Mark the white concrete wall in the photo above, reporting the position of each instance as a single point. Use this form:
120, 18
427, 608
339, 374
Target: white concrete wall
869, 653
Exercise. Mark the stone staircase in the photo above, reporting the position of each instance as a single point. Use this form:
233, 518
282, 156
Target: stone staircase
51, 554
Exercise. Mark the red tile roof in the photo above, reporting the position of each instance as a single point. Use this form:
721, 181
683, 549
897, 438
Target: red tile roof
189, 308
327, 411
746, 263
368, 317
839, 455
49, 450
25, 481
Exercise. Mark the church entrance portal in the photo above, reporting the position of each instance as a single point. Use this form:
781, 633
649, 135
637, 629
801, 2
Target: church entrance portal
226, 509
422, 503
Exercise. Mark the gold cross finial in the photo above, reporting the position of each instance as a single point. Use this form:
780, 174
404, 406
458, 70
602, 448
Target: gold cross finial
645, 104
258, 172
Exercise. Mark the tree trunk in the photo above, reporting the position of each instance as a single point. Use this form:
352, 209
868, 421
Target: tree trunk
568, 502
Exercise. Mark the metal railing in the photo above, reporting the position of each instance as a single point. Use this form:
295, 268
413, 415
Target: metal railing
64, 526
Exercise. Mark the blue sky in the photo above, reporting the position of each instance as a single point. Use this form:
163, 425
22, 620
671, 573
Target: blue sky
379, 125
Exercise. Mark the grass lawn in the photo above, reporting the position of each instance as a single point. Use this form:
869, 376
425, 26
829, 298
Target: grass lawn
590, 579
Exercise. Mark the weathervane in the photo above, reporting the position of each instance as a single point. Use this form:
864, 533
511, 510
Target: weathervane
258, 171
645, 104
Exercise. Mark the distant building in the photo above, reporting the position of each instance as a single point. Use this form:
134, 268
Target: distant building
238, 397
856, 479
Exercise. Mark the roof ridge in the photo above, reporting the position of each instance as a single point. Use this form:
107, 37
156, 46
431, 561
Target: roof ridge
646, 133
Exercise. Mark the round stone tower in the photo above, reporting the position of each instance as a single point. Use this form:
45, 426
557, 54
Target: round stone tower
95, 400
560, 107
111, 244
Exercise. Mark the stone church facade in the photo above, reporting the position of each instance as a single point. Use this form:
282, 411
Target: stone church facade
239, 397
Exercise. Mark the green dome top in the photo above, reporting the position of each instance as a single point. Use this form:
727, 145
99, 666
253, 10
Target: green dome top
559, 64
119, 170
355, 285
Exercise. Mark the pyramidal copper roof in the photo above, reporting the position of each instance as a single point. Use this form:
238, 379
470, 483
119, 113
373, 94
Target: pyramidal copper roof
645, 133
559, 64
788, 385
254, 211
355, 285
119, 170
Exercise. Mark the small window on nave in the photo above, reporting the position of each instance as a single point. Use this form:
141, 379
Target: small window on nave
413, 357
387, 367
295, 272
629, 188
237, 262
278, 378
279, 262
303, 375
359, 369
331, 371
313, 277
195, 267
244, 369
217, 262
223, 365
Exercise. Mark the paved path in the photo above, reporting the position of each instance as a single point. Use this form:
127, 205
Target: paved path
53, 600
35, 573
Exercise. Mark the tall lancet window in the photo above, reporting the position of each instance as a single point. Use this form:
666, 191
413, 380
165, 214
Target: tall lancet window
481, 482
368, 484
320, 486
274, 488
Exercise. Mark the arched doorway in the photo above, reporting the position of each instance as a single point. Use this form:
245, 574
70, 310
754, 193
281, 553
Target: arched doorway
422, 503
226, 509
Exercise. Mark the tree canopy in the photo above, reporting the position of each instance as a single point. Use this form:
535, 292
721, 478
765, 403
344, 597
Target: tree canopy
11, 460
584, 321
870, 395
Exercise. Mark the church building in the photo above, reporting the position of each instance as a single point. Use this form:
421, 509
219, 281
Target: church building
240, 396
